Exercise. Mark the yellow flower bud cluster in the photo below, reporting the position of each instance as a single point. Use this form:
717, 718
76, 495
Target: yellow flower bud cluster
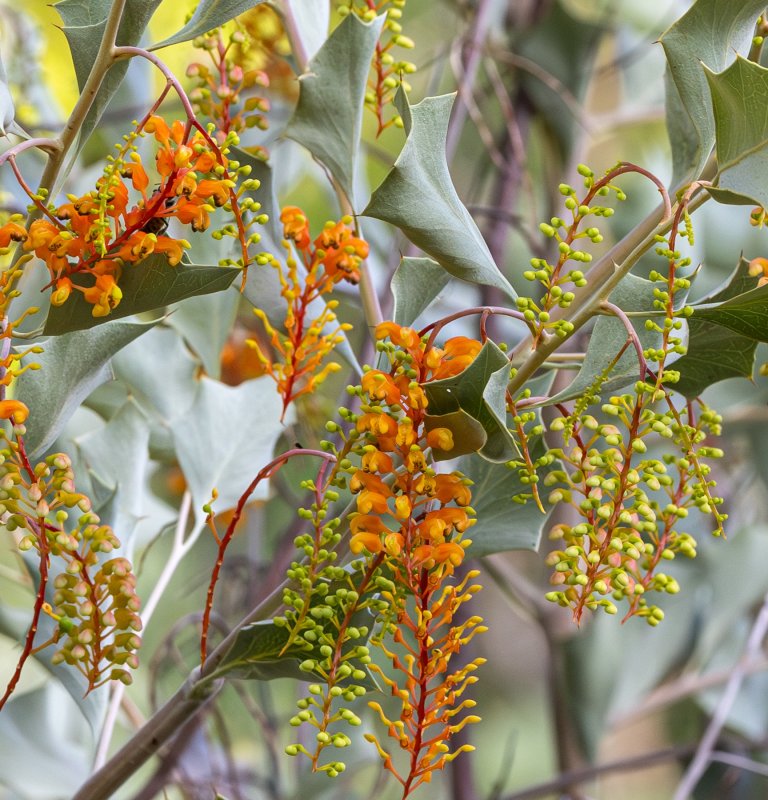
632, 505
388, 71
94, 600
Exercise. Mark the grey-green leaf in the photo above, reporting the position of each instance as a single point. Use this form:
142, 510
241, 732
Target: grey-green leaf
164, 388
739, 100
710, 33
205, 322
255, 655
480, 392
746, 314
503, 524
415, 284
418, 197
73, 365
35, 767
608, 337
163, 385
14, 625
146, 286
328, 117
227, 435
716, 352
208, 15
84, 25
118, 455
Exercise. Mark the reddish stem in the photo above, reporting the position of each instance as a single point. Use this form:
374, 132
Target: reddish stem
264, 474
485, 311
36, 612
423, 690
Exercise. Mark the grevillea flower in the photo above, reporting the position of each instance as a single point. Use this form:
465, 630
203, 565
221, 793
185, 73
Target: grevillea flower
106, 227
11, 232
408, 530
14, 410
758, 267
311, 329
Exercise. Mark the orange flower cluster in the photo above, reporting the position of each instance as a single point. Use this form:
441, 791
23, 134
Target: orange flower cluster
335, 255
758, 268
417, 519
101, 232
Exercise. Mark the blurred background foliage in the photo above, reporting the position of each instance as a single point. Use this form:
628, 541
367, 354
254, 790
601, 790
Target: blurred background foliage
544, 85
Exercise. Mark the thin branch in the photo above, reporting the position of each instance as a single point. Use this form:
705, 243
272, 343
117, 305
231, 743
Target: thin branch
263, 475
631, 335
480, 28
703, 756
475, 113
683, 687
179, 550
740, 762
632, 764
101, 64
551, 82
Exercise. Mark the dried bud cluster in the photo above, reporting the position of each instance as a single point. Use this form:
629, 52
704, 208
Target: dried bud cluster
94, 600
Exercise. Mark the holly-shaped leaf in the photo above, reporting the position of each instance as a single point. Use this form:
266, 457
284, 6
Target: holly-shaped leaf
153, 283
329, 115
222, 443
710, 33
720, 344
209, 14
478, 394
502, 523
419, 197
257, 653
415, 284
739, 100
72, 366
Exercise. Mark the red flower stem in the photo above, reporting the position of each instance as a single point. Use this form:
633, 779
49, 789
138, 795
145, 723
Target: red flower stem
126, 51
424, 595
486, 311
99, 633
5, 352
631, 334
225, 122
265, 473
26, 187
42, 543
46, 145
